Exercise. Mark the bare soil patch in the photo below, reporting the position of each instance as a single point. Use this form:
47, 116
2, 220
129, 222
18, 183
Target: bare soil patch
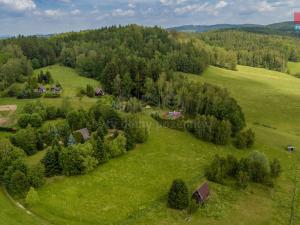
4, 108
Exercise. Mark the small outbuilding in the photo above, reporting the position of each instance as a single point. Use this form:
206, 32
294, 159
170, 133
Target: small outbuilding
55, 89
201, 194
41, 89
84, 133
99, 92
290, 148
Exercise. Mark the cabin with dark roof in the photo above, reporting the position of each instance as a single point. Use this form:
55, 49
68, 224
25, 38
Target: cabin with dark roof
41, 89
201, 194
84, 133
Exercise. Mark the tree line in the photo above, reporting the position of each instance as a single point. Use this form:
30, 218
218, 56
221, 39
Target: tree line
257, 50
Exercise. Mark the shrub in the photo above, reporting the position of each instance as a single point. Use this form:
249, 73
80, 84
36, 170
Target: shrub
77, 119
242, 179
14, 90
135, 132
178, 197
99, 151
133, 106
51, 95
244, 139
26, 139
77, 159
216, 171
275, 168
36, 120
51, 161
18, 184
36, 175
117, 146
209, 128
255, 168
259, 167
51, 112
90, 91
24, 120
32, 197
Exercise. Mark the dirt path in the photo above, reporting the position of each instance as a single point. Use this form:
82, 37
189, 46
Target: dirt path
5, 108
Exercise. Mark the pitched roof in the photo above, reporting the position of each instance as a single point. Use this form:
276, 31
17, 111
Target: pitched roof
85, 133
203, 191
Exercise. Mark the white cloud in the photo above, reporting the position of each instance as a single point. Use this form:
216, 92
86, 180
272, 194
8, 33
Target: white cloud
193, 8
75, 12
65, 1
172, 2
265, 6
221, 4
54, 12
19, 5
121, 12
131, 5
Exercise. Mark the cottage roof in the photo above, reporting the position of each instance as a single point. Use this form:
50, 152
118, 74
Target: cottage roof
203, 191
85, 133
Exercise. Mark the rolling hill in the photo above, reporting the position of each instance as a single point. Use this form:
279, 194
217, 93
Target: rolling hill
284, 28
132, 189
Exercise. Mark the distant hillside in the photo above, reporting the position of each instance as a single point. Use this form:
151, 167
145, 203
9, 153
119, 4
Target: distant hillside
284, 28
204, 28
4, 36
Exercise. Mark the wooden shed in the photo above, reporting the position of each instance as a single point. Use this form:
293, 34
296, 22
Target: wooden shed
201, 194
290, 148
85, 133
99, 92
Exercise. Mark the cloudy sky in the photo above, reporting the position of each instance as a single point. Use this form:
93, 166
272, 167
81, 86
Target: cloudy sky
52, 16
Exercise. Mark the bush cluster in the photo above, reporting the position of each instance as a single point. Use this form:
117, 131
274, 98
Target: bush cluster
15, 174
254, 168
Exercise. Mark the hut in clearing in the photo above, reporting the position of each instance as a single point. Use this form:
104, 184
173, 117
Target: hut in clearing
83, 133
201, 194
290, 148
99, 92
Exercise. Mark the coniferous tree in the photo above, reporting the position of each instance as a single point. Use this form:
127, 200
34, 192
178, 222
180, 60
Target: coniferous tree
51, 160
178, 197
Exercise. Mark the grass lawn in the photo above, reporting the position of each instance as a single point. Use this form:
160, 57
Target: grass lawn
11, 215
294, 68
70, 81
133, 189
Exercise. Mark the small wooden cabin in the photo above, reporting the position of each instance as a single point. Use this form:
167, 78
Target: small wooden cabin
99, 92
85, 134
41, 89
290, 148
201, 194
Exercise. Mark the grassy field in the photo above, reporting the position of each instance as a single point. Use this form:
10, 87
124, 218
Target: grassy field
294, 68
11, 215
133, 189
71, 83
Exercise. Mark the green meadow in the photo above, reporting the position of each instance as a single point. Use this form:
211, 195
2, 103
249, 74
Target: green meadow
132, 189
294, 68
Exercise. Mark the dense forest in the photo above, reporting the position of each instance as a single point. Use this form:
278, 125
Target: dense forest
129, 54
258, 50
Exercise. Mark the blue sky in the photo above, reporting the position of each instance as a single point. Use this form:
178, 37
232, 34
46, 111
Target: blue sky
52, 16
